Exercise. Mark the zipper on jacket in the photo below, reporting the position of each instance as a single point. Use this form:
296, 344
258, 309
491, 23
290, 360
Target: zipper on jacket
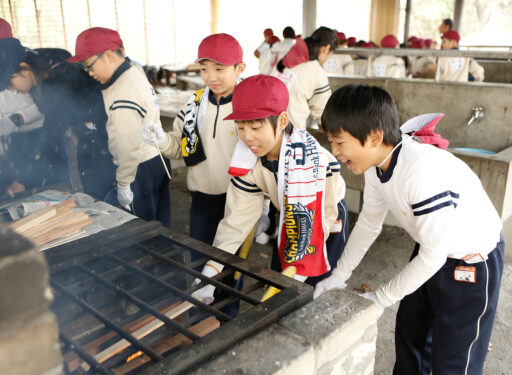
215, 123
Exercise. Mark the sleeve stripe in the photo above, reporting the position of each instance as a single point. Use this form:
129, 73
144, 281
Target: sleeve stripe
181, 118
238, 179
128, 107
317, 93
321, 88
435, 198
243, 188
328, 175
435, 208
128, 102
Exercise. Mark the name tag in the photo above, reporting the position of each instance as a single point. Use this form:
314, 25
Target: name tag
473, 258
457, 63
380, 70
465, 274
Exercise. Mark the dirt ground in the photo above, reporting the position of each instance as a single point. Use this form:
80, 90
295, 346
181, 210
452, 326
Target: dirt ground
385, 258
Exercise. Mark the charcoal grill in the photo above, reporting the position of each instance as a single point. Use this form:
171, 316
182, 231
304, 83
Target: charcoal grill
110, 287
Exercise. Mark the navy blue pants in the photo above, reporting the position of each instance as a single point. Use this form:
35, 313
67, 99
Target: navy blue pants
445, 326
151, 199
335, 245
206, 212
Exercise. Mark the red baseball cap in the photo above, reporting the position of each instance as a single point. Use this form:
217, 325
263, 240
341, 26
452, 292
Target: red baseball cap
418, 43
5, 29
268, 32
221, 48
389, 41
367, 45
351, 41
94, 41
259, 97
412, 38
341, 37
452, 35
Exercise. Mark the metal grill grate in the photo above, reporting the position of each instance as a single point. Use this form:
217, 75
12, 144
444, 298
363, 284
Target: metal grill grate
124, 305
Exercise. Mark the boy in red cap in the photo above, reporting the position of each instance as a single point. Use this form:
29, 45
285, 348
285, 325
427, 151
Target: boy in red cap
273, 158
340, 64
459, 69
388, 66
448, 292
202, 138
142, 183
265, 45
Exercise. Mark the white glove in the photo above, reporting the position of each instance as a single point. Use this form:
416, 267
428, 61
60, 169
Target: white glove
263, 222
205, 294
333, 281
373, 297
148, 129
6, 125
124, 196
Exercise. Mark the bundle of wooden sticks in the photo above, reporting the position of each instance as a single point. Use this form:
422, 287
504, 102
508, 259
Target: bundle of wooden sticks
52, 223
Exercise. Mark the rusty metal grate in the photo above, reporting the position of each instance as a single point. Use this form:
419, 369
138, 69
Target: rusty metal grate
124, 305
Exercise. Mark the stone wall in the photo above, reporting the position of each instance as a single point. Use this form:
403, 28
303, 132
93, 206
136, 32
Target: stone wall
334, 334
28, 329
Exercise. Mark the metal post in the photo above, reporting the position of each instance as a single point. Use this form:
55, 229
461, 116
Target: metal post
64, 25
457, 15
308, 17
408, 10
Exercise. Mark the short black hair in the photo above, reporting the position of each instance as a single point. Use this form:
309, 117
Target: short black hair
273, 121
448, 22
289, 33
359, 110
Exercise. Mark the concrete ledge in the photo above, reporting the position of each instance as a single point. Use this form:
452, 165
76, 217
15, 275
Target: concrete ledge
28, 351
334, 334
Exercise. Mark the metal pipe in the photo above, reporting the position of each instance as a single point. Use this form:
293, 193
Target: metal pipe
457, 15
423, 52
64, 25
408, 10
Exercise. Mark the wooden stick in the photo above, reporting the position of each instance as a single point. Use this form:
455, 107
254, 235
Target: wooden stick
60, 241
33, 219
72, 359
161, 157
61, 232
143, 331
201, 329
60, 219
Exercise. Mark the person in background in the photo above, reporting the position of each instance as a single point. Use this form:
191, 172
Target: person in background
202, 137
388, 66
129, 100
362, 64
449, 290
266, 60
461, 69
73, 112
339, 64
265, 45
445, 26
301, 71
18, 113
421, 66
279, 49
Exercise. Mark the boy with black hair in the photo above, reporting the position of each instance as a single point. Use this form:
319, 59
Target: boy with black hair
275, 159
142, 182
446, 26
340, 64
202, 137
449, 290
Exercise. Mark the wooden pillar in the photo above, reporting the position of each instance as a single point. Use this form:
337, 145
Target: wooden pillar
384, 19
214, 26
308, 17
457, 15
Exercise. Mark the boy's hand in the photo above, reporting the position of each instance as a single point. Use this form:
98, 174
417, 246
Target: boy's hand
152, 131
124, 196
333, 281
373, 297
205, 294
7, 126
